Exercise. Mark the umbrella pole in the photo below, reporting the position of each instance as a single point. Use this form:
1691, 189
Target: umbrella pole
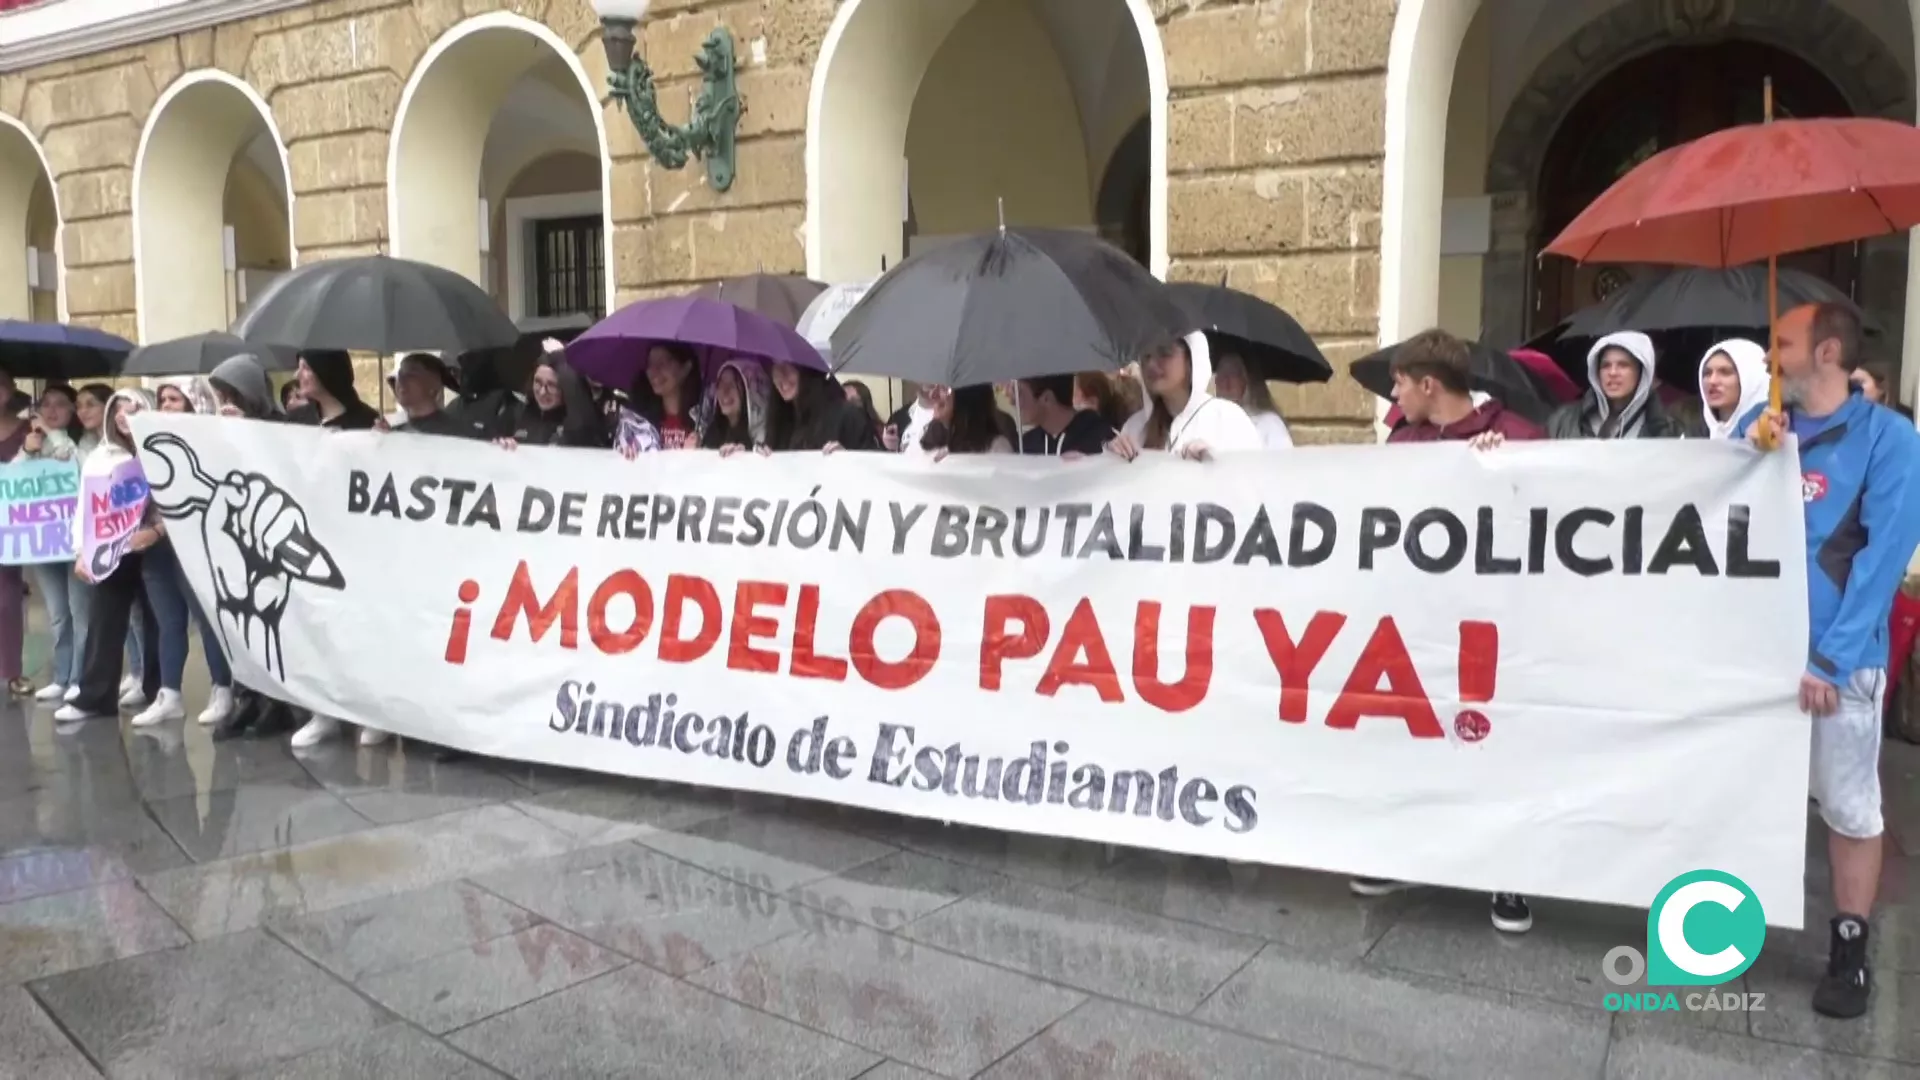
1773, 283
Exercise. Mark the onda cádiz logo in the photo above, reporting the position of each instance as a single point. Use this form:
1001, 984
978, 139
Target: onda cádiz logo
1705, 929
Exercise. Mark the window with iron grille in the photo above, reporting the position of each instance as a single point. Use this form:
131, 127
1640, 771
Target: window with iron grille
569, 267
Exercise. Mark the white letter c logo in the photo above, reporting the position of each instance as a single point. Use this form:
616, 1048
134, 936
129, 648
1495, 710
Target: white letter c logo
1673, 922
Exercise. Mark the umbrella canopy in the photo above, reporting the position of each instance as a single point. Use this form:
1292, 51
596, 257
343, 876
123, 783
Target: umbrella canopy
1681, 298
780, 297
1490, 370
38, 350
201, 353
379, 304
1747, 193
1269, 340
1550, 382
1008, 304
825, 314
614, 350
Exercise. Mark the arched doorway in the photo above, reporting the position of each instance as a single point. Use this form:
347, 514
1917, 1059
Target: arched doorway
212, 209
933, 118
499, 171
1647, 105
29, 223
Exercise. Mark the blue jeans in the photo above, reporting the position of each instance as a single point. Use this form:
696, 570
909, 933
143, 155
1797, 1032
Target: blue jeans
174, 607
66, 598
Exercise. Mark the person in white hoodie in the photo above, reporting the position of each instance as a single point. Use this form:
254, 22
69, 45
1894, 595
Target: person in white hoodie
1733, 380
1622, 399
1180, 416
120, 593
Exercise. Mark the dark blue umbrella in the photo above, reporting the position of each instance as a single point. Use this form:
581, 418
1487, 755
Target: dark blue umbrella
40, 350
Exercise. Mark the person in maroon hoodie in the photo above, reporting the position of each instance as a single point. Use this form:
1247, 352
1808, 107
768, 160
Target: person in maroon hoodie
1430, 384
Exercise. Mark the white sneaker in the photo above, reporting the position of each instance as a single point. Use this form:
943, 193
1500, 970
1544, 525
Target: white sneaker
166, 707
219, 706
135, 698
316, 731
129, 682
372, 736
50, 692
66, 713
72, 694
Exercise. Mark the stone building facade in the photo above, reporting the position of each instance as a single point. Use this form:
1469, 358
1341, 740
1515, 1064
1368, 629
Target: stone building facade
1270, 144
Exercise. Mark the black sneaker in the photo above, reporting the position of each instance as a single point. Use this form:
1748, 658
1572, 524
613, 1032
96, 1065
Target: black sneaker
1511, 915
1843, 992
1377, 886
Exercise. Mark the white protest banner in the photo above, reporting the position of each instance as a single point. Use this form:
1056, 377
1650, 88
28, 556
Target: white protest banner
1559, 669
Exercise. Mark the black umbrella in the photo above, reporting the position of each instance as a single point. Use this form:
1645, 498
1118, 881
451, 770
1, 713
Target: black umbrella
57, 351
780, 297
377, 304
1489, 370
201, 353
1686, 311
1267, 339
1008, 304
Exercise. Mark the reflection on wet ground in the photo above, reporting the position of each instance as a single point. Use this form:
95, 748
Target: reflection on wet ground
170, 907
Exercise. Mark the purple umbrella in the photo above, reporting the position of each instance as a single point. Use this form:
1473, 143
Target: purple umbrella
614, 351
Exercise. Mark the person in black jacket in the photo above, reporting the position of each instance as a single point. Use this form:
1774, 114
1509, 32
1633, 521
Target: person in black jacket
326, 381
1054, 426
559, 410
809, 411
1622, 399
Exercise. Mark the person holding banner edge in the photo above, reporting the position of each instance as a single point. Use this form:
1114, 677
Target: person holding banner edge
1859, 465
13, 437
118, 593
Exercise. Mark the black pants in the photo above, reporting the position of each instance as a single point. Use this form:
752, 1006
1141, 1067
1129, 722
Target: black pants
114, 600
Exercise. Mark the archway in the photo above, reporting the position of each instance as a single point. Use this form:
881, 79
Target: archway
499, 171
212, 206
29, 216
935, 117
1422, 92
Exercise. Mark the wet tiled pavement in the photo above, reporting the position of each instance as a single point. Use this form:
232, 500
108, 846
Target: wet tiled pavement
170, 907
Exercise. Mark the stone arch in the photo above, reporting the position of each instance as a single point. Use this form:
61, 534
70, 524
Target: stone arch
440, 132
1833, 41
1819, 32
865, 81
198, 129
24, 173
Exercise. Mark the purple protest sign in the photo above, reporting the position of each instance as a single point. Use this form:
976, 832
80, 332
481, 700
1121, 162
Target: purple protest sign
38, 498
113, 503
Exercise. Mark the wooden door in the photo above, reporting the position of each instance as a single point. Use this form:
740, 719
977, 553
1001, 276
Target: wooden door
1645, 106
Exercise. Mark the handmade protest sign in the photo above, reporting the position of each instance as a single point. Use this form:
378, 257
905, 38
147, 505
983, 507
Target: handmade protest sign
38, 498
112, 505
1561, 669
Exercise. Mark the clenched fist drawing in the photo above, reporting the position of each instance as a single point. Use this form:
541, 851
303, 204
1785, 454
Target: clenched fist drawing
257, 544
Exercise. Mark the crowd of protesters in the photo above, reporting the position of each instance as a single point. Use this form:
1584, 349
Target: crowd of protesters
1180, 399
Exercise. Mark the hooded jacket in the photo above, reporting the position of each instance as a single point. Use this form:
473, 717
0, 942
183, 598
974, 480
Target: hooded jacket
1223, 426
1085, 433
1488, 415
1592, 416
754, 388
1756, 381
243, 380
108, 455
1858, 470
195, 389
334, 370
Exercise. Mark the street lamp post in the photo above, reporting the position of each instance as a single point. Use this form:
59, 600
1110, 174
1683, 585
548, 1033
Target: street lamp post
709, 132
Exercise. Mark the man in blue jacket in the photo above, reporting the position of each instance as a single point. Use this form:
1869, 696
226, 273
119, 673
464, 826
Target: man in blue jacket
1859, 463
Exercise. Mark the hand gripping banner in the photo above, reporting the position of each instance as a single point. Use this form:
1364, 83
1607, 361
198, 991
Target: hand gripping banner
1557, 669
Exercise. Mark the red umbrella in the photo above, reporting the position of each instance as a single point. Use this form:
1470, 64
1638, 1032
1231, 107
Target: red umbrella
1749, 193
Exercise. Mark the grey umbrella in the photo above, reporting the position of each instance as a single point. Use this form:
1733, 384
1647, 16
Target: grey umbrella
377, 304
201, 353
1008, 304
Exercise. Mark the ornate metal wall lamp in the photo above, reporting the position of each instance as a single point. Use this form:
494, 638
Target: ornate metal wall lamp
709, 131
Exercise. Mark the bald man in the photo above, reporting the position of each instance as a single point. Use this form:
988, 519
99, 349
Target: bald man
1859, 463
